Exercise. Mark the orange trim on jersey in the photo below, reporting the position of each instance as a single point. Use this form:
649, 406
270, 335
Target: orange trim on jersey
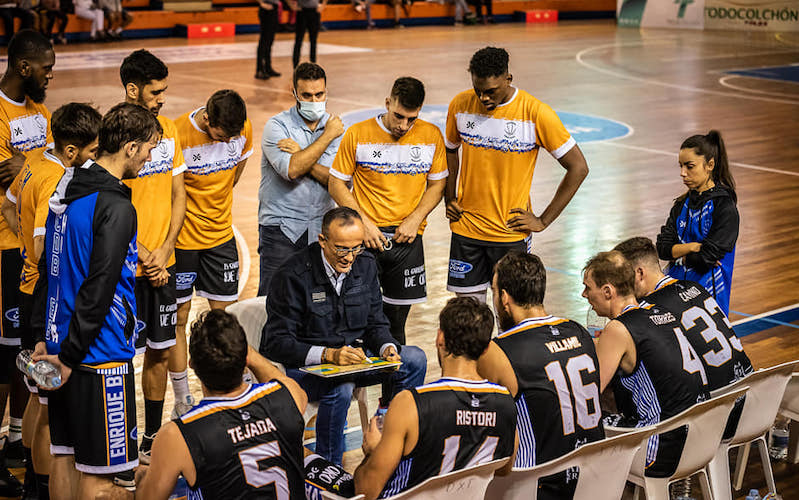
530, 327
669, 282
463, 389
210, 411
105, 366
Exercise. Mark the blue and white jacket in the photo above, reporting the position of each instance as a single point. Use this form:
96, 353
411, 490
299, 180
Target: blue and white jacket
85, 288
710, 218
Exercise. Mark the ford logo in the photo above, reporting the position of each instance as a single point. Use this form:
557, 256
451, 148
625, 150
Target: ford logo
460, 267
184, 281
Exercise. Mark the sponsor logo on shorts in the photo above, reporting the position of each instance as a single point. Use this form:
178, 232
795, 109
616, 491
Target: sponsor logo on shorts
140, 326
134, 434
12, 315
184, 281
115, 419
459, 269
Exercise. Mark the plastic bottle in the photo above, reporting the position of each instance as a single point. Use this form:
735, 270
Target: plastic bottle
380, 414
594, 323
42, 372
772, 496
778, 444
753, 495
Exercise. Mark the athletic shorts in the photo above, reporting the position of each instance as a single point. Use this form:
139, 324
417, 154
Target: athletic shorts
323, 475
401, 271
471, 262
212, 272
8, 362
156, 309
93, 416
10, 270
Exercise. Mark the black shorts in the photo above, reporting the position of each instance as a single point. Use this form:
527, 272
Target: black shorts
212, 272
156, 312
8, 362
471, 262
10, 270
26, 335
401, 271
93, 416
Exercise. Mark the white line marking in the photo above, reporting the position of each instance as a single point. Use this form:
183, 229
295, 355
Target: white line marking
763, 315
579, 58
724, 81
725, 56
244, 271
670, 153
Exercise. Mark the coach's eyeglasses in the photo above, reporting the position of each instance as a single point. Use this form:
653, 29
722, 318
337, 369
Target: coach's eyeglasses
356, 251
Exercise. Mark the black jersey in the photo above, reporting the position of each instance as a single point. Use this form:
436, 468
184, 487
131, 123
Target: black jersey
706, 328
462, 423
664, 382
557, 372
246, 447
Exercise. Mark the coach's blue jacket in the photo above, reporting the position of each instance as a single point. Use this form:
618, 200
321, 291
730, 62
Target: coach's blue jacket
88, 270
710, 218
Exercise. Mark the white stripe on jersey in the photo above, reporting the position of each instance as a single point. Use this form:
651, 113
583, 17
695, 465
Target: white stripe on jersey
215, 157
528, 322
226, 402
28, 132
459, 382
161, 158
525, 456
408, 159
508, 136
399, 481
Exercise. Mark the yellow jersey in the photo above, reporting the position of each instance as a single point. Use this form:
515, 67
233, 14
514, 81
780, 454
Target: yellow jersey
500, 148
210, 171
24, 127
152, 190
31, 192
389, 176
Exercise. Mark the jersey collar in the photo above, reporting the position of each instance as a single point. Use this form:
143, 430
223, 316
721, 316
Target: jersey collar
191, 119
515, 93
53, 158
527, 322
664, 281
12, 101
379, 120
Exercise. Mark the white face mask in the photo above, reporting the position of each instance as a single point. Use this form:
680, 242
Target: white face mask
311, 111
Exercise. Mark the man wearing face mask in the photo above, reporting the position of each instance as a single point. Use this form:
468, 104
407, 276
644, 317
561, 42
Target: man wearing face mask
397, 165
297, 150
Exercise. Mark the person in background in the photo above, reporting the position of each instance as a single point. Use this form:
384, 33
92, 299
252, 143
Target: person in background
88, 9
309, 18
10, 9
50, 11
699, 236
267, 17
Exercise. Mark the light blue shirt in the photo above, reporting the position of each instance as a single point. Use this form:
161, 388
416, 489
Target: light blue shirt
295, 205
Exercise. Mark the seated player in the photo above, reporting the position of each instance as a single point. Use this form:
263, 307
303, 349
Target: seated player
241, 440
534, 357
641, 352
458, 421
323, 304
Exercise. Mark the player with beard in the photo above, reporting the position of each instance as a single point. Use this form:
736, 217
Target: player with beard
533, 357
24, 128
159, 196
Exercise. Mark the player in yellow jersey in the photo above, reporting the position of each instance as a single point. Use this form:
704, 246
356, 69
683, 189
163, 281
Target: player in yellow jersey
75, 127
500, 129
24, 128
159, 196
216, 141
397, 166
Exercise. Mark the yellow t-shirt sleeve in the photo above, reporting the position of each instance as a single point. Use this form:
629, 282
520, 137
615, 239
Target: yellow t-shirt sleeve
246, 151
43, 203
178, 161
13, 190
551, 132
344, 165
453, 139
438, 170
5, 141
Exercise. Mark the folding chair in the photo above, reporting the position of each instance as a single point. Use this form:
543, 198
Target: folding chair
603, 467
790, 408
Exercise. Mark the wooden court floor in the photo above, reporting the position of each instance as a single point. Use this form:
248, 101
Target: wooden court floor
665, 85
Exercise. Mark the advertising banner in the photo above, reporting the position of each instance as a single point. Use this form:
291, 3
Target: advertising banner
752, 15
661, 13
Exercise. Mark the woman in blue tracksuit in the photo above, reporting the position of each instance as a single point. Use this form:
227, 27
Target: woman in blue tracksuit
700, 234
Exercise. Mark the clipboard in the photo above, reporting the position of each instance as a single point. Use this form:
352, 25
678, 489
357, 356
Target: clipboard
330, 370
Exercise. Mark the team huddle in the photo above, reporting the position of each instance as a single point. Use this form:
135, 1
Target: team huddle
111, 223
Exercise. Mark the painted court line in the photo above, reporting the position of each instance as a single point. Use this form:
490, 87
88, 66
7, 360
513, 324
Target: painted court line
725, 81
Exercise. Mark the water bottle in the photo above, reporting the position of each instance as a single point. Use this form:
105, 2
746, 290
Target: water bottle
595, 323
772, 496
380, 414
753, 495
778, 446
42, 372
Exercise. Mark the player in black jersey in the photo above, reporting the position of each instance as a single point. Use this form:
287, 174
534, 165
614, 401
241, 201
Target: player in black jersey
241, 441
640, 351
707, 328
458, 421
534, 357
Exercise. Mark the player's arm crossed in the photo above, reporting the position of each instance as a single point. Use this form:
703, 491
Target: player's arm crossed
383, 451
292, 162
614, 349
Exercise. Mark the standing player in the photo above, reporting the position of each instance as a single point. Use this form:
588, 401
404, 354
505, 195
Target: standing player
397, 166
501, 129
75, 128
241, 440
216, 141
24, 127
159, 197
85, 293
534, 357
641, 352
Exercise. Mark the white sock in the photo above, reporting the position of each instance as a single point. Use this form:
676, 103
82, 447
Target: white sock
180, 384
118, 30
14, 429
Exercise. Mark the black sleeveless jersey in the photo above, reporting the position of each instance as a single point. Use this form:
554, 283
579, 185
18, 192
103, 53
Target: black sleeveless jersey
462, 423
557, 372
707, 329
246, 447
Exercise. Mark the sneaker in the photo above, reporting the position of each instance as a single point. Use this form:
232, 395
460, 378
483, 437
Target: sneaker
126, 480
14, 453
182, 407
145, 449
9, 485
